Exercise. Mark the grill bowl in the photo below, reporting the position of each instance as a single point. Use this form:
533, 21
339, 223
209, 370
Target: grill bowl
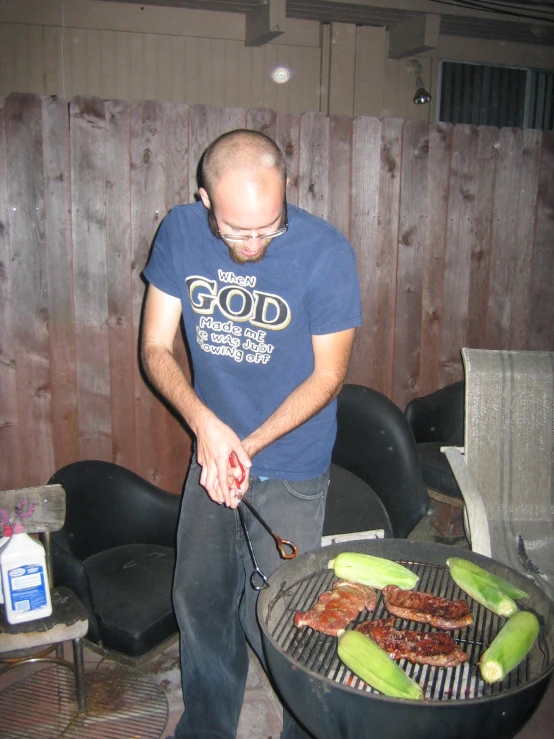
458, 705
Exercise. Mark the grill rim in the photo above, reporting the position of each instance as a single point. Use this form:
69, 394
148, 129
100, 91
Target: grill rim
422, 553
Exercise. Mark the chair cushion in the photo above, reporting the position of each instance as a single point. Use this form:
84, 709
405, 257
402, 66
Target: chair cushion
131, 589
436, 470
352, 505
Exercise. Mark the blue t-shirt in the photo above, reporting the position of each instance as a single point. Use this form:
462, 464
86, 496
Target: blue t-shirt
250, 326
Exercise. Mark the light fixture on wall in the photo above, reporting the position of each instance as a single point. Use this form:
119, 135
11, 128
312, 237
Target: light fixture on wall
421, 97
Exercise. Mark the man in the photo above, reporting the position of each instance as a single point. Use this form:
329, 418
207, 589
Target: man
270, 299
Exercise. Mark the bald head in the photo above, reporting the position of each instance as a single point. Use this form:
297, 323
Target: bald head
248, 153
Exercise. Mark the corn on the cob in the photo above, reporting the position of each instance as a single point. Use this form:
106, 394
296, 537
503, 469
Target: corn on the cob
510, 646
373, 664
481, 590
502, 585
369, 570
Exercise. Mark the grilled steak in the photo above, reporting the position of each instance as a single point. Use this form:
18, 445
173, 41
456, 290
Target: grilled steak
427, 608
335, 608
432, 648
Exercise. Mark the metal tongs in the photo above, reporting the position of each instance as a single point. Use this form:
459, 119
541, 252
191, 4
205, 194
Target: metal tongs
235, 462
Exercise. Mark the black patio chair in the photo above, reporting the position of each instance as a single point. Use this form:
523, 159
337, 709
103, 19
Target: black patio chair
437, 420
116, 550
376, 479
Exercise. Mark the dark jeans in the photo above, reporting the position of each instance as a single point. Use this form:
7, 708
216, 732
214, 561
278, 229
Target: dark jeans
214, 602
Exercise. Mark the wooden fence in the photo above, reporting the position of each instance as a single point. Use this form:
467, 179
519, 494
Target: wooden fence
453, 229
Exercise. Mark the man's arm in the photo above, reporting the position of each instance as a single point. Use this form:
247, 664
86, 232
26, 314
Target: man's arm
215, 440
331, 357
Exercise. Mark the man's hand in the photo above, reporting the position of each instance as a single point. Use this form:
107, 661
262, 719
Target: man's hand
216, 442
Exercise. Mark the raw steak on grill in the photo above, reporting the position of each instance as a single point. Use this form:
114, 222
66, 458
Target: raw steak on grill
335, 608
427, 608
425, 648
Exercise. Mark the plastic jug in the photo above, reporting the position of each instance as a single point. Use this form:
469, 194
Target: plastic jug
24, 578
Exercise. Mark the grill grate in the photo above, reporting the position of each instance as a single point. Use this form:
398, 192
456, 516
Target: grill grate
121, 703
318, 652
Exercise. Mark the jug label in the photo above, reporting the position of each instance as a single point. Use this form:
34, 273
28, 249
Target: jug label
27, 588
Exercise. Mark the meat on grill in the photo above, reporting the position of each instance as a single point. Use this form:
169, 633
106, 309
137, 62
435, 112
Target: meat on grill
431, 648
335, 608
427, 608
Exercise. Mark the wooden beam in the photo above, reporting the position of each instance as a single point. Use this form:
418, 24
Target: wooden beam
342, 72
371, 62
265, 22
325, 86
414, 36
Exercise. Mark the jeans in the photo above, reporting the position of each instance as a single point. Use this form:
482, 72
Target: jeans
214, 602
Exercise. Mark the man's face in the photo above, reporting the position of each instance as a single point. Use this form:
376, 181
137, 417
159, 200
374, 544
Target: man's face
243, 206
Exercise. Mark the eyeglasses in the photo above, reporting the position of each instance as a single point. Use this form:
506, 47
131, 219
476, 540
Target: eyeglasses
273, 235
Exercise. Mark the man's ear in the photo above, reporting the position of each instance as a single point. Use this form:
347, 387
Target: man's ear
205, 198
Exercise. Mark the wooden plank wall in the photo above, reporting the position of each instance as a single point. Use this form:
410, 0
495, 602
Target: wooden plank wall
452, 228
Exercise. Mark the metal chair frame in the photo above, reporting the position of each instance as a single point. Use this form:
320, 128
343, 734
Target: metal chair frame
43, 510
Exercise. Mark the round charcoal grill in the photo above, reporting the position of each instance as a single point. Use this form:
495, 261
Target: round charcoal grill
333, 703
